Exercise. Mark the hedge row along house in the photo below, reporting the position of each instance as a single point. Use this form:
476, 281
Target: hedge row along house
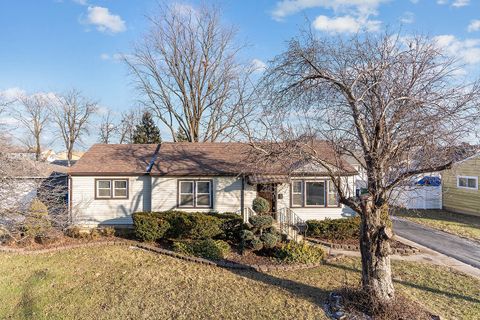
110, 182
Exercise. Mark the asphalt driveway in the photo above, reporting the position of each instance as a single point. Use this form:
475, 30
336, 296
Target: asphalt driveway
448, 244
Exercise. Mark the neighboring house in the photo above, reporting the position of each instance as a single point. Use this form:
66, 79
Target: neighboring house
110, 182
62, 156
461, 193
23, 179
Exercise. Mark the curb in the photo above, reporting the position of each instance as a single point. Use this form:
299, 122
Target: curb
351, 247
147, 247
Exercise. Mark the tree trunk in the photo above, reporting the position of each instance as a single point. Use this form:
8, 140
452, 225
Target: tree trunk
375, 249
38, 150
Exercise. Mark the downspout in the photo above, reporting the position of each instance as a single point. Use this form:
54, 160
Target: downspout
242, 197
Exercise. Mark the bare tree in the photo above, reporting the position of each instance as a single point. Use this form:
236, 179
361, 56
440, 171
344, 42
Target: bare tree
128, 122
71, 113
187, 69
108, 128
395, 104
33, 117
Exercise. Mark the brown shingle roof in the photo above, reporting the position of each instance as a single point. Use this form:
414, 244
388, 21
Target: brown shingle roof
232, 158
26, 168
201, 159
117, 159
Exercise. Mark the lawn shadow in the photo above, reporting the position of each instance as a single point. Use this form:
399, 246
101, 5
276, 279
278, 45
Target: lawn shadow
27, 305
310, 293
414, 285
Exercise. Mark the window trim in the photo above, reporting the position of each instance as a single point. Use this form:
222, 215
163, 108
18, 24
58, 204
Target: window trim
467, 187
300, 193
112, 189
304, 204
194, 181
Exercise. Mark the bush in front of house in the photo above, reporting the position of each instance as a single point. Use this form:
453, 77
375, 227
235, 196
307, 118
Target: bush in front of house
260, 223
37, 221
232, 226
207, 248
192, 225
269, 240
261, 205
334, 229
149, 226
293, 252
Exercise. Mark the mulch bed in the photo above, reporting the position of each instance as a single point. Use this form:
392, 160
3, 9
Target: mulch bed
397, 247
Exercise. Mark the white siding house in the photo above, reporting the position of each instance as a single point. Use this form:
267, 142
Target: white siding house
111, 182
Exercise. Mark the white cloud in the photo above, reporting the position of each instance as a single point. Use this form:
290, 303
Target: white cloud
258, 65
104, 20
114, 57
407, 17
474, 26
460, 3
467, 50
345, 24
441, 2
81, 2
11, 94
285, 8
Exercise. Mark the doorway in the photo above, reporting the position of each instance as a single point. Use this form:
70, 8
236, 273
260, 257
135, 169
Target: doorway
268, 191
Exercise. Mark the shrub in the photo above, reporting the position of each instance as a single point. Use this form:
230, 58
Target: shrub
261, 205
247, 235
269, 240
95, 233
149, 226
192, 225
207, 248
183, 248
337, 229
232, 226
256, 244
108, 231
260, 223
37, 221
293, 252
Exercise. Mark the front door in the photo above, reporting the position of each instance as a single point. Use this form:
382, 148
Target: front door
268, 191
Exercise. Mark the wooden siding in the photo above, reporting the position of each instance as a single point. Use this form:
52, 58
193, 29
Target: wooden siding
88, 211
459, 199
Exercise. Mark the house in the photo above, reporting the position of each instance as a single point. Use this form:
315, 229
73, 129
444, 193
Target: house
23, 179
110, 182
460, 186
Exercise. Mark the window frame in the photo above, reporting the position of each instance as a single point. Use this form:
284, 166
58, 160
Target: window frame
304, 194
337, 203
194, 182
468, 178
112, 189
300, 193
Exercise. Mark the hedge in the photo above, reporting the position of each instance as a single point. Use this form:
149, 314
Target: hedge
152, 226
336, 229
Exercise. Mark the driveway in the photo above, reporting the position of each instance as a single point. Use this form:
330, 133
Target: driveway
448, 244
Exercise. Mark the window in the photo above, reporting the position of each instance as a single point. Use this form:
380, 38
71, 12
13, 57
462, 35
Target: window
196, 193
315, 193
104, 188
465, 182
297, 193
332, 198
111, 189
186, 193
319, 193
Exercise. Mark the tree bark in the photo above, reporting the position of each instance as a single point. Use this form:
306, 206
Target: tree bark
375, 249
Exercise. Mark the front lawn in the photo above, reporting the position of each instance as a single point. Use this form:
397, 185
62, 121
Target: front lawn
119, 282
456, 223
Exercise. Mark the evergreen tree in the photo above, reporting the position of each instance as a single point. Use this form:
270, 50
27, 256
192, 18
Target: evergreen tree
180, 135
146, 131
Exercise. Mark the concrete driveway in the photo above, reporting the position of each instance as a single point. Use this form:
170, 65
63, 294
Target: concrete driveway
448, 244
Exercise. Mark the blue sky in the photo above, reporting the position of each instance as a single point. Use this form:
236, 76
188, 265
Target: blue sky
56, 45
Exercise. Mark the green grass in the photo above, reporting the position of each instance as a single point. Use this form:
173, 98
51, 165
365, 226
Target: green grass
123, 283
455, 223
